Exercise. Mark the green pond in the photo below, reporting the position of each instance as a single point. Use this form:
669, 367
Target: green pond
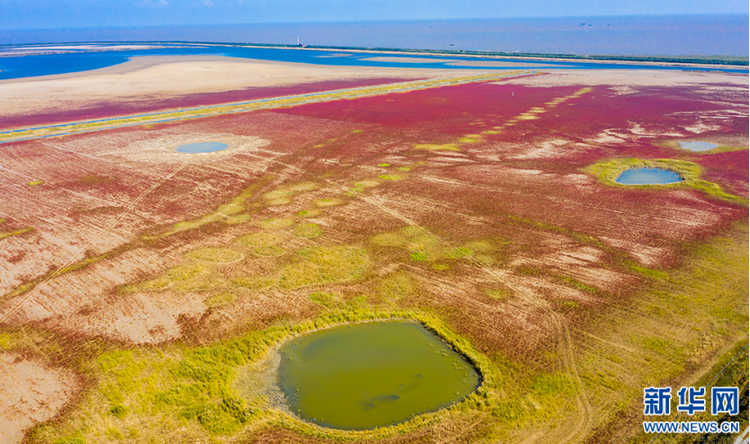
362, 376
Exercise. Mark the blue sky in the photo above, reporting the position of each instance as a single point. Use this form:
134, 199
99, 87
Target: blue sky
20, 14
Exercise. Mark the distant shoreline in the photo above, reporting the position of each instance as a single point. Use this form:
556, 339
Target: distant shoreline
687, 61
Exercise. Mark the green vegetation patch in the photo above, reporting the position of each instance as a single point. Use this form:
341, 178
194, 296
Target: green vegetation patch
396, 286
367, 183
499, 295
384, 165
283, 195
268, 251
278, 202
308, 230
390, 177
327, 300
670, 332
214, 254
179, 274
36, 182
184, 272
5, 341
277, 194
220, 299
228, 212
18, 232
419, 256
325, 265
328, 202
609, 172
426, 247
388, 240
459, 252
309, 213
436, 147
276, 223
261, 239
238, 219
253, 282
188, 393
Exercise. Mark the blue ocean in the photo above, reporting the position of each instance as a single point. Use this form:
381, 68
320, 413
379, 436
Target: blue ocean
653, 35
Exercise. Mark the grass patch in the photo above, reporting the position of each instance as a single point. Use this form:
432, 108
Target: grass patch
175, 275
278, 202
253, 282
35, 183
389, 177
609, 172
227, 212
419, 256
384, 165
459, 252
275, 223
309, 213
667, 334
436, 147
5, 341
328, 202
261, 239
220, 299
308, 230
655, 274
388, 240
367, 183
327, 300
187, 393
213, 254
18, 232
238, 219
268, 251
396, 286
499, 295
325, 265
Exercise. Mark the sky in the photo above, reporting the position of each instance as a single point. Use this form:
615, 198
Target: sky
53, 14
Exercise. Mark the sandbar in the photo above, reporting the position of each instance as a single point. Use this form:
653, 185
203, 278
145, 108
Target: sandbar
165, 77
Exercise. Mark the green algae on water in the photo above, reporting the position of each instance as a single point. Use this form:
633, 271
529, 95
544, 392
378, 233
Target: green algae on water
363, 376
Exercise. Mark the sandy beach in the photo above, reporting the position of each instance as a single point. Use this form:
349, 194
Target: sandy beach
165, 77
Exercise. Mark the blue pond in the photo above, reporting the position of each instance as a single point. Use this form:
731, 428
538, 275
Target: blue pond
698, 146
201, 147
648, 176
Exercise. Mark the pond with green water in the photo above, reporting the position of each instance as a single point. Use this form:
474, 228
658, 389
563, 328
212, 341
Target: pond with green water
362, 376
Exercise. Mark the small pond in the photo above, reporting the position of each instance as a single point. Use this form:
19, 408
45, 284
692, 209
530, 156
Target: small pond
376, 374
648, 176
698, 146
201, 147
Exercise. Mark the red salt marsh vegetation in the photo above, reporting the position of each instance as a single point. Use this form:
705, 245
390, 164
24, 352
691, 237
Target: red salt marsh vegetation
471, 208
107, 109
